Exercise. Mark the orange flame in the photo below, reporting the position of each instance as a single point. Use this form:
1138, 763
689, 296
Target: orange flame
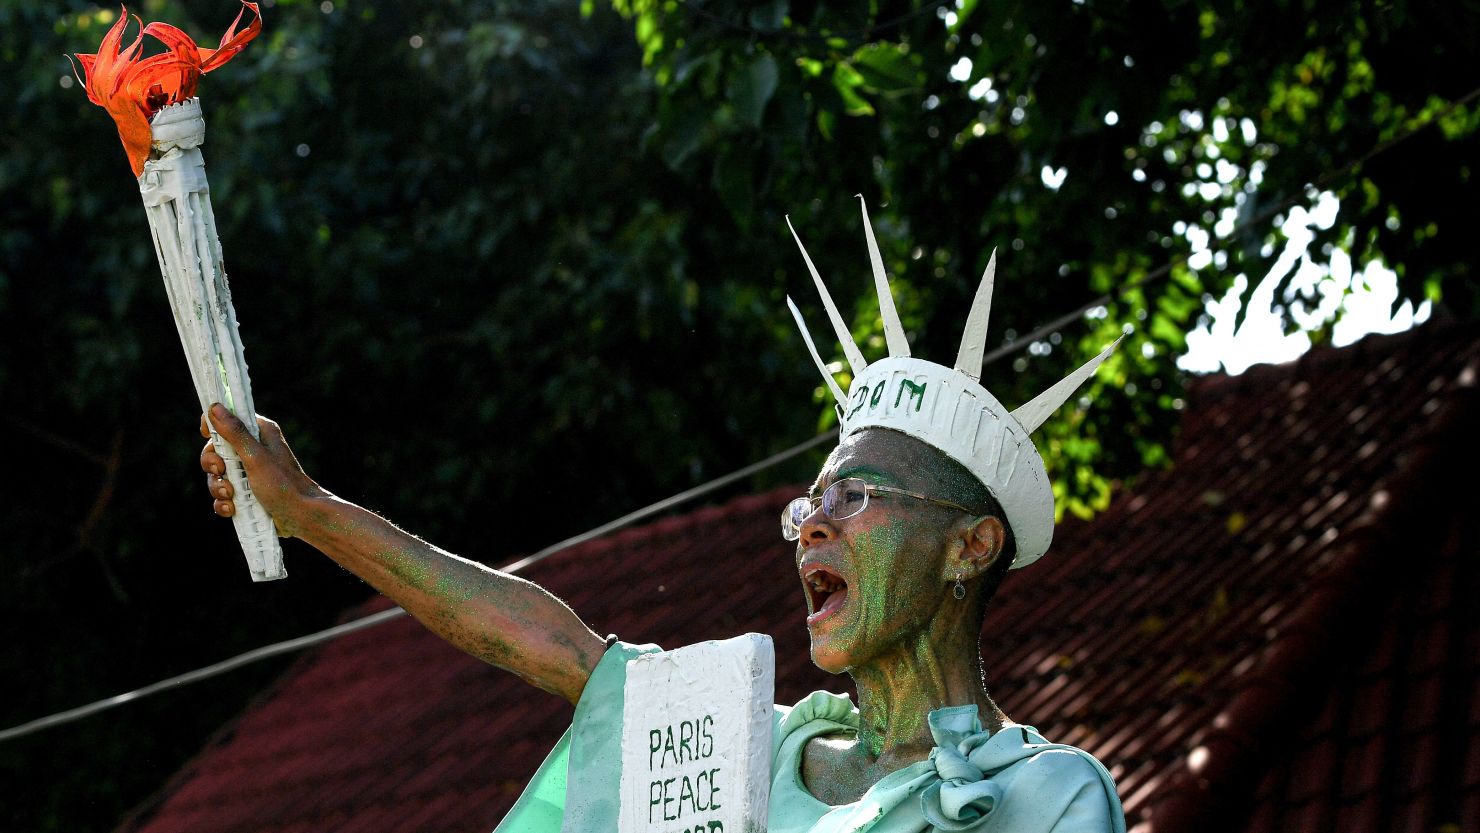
133, 90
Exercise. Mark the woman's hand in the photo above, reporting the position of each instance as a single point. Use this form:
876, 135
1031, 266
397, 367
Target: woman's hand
278, 481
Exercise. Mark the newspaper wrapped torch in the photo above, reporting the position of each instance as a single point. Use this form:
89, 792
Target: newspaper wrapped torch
152, 99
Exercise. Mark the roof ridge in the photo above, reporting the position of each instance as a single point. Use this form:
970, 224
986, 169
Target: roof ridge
636, 534
1222, 771
145, 810
1441, 326
665, 525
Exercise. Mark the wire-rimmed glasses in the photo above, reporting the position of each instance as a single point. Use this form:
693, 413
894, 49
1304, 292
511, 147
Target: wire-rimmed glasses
844, 499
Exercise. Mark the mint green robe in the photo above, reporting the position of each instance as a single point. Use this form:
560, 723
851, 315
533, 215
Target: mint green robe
1013, 781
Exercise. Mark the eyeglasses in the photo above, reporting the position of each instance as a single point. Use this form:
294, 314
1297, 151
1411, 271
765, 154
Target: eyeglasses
844, 499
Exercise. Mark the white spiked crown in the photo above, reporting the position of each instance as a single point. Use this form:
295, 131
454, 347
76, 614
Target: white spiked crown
947, 407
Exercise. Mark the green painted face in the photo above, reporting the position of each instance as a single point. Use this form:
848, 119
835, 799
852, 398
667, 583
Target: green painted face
875, 580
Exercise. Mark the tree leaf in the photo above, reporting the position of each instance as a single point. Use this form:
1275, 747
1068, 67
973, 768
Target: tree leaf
886, 68
847, 81
732, 179
769, 16
751, 88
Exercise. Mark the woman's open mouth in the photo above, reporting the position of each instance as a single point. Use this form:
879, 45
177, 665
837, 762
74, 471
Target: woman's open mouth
826, 592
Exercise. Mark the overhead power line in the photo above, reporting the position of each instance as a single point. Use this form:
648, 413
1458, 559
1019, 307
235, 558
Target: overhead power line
199, 674
1038, 333
309, 640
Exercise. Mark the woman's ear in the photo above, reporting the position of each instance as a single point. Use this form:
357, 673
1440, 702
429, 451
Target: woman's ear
977, 547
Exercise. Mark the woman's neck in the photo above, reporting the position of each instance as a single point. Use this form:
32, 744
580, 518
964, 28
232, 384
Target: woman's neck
939, 666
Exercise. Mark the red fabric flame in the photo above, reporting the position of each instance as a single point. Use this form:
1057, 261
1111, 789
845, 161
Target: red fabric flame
133, 90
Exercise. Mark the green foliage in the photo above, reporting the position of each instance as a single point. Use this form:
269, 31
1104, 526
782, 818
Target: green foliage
507, 268
1091, 144
470, 288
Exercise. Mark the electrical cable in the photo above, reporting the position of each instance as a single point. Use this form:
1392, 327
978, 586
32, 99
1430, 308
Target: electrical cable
199, 674
308, 640
674, 500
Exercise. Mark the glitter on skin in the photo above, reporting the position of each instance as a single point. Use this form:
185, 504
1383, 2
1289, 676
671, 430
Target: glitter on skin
909, 645
499, 618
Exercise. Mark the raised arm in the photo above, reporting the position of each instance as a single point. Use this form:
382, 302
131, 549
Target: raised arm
499, 618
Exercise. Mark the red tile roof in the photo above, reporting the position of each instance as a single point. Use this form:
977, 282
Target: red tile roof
1277, 633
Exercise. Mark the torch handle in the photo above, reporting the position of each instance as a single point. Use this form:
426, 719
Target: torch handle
255, 529
178, 202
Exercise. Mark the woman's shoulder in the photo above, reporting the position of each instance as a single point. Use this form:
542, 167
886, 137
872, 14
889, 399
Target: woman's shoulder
1018, 745
819, 713
1067, 767
1054, 782
822, 706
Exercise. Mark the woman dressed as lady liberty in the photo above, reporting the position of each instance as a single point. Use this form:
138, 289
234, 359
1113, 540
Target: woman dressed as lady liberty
932, 494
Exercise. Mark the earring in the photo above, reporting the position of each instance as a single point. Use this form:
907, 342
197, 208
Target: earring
958, 591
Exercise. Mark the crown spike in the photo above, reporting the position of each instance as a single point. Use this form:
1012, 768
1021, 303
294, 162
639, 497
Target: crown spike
850, 347
832, 383
974, 339
893, 331
1034, 413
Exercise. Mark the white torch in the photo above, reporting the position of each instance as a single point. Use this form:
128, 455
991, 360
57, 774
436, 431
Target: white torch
178, 200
